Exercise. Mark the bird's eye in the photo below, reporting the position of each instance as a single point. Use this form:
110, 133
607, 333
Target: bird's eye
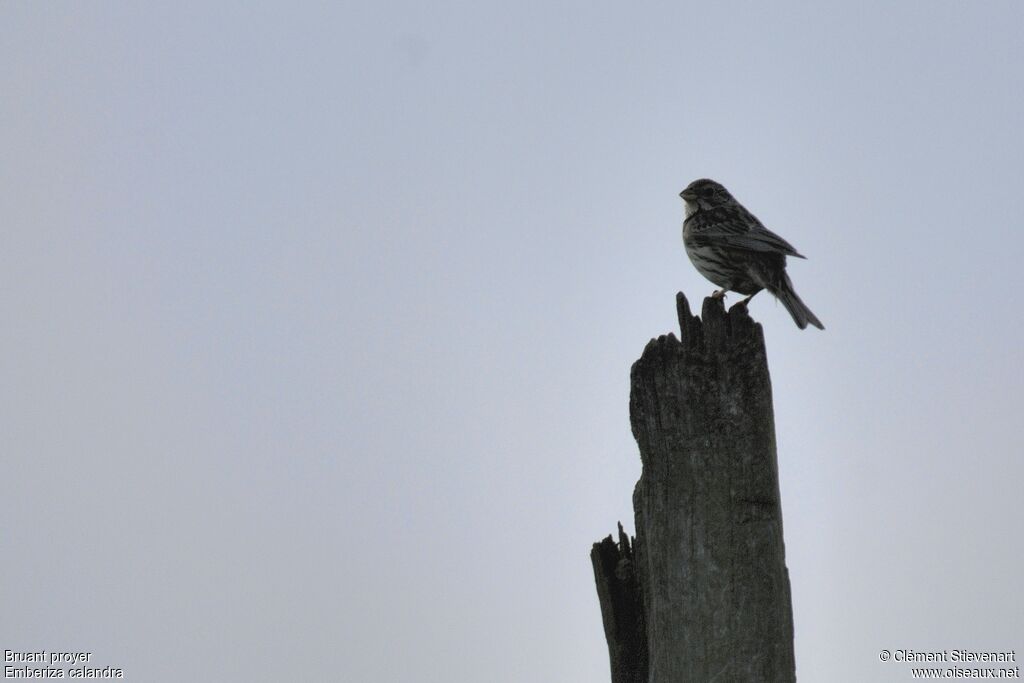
707, 192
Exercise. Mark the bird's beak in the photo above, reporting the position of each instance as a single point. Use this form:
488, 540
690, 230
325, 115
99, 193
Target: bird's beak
688, 195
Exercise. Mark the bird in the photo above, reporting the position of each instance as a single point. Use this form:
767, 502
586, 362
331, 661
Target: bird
731, 247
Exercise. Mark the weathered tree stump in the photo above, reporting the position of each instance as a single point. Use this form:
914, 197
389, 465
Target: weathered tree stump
621, 608
704, 592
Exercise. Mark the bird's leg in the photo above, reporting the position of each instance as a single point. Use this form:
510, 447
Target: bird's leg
747, 300
718, 294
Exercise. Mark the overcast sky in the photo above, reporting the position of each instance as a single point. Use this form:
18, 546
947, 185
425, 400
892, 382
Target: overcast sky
318, 320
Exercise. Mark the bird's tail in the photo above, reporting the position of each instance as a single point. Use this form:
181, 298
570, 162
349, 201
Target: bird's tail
796, 307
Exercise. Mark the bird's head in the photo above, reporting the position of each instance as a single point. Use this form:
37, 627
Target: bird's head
705, 194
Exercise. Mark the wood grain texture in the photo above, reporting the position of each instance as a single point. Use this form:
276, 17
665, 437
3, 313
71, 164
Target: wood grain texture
622, 608
709, 555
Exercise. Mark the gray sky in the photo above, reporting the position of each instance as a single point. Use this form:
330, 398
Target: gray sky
318, 323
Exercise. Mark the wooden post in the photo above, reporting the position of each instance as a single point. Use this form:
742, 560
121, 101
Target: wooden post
622, 608
709, 562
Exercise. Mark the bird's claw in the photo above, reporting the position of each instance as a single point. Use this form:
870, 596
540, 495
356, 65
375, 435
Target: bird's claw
718, 294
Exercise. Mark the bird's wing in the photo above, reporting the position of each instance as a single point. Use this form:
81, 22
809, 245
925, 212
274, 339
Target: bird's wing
740, 230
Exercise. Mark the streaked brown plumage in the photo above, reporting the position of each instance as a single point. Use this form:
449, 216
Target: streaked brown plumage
731, 247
